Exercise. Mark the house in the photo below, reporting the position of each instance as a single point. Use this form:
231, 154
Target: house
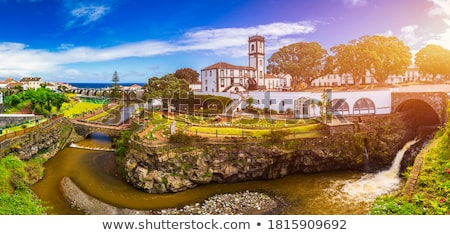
4, 83
32, 82
51, 85
279, 82
135, 87
11, 85
224, 77
197, 86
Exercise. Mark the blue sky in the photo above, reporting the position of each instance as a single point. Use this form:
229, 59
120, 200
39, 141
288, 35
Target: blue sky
87, 40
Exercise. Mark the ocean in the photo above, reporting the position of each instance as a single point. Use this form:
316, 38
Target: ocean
100, 85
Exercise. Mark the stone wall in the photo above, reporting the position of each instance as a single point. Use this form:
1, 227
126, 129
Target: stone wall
13, 119
173, 168
48, 138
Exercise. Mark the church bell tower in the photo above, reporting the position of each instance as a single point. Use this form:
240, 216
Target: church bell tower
256, 57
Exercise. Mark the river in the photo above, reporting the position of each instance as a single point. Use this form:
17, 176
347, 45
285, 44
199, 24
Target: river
94, 172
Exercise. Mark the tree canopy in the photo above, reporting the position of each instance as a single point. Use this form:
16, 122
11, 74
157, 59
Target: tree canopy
349, 59
188, 74
115, 85
167, 87
385, 56
433, 60
42, 100
304, 61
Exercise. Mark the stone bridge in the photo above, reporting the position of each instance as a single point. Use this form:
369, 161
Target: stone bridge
86, 128
126, 94
425, 108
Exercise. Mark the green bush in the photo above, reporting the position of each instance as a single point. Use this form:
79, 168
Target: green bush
181, 138
15, 196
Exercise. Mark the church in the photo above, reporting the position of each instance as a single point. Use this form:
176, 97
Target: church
224, 77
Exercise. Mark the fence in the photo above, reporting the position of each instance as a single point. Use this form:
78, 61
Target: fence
29, 129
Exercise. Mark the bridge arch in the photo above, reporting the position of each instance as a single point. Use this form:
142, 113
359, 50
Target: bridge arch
340, 106
364, 106
418, 113
427, 108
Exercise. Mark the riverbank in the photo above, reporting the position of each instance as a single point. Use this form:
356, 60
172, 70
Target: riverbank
241, 203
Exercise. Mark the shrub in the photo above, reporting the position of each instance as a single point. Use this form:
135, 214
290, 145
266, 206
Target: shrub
181, 138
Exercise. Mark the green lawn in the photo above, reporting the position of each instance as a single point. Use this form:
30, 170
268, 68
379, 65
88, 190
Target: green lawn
258, 133
19, 127
71, 110
256, 128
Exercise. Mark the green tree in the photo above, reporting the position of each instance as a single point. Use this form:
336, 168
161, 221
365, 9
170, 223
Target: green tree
59, 100
14, 100
304, 61
349, 60
250, 100
433, 60
385, 56
115, 85
188, 74
167, 88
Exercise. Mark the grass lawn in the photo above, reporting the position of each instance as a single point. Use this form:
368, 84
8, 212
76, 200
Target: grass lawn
103, 114
258, 133
71, 110
256, 128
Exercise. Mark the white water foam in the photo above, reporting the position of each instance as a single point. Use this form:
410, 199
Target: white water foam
369, 186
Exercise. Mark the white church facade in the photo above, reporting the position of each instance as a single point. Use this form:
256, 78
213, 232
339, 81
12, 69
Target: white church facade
224, 77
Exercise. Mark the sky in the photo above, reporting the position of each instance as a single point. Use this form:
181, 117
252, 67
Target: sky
87, 40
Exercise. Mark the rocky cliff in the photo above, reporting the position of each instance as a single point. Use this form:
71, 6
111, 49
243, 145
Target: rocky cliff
173, 168
47, 139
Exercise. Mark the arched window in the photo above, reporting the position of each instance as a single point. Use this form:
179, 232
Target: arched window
340, 107
301, 107
364, 106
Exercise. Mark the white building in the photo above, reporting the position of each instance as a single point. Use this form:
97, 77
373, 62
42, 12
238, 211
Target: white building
224, 77
412, 74
31, 82
278, 82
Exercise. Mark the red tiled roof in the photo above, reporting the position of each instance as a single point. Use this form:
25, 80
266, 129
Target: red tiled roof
270, 76
223, 65
13, 84
30, 79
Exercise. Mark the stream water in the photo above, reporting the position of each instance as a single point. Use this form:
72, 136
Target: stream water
94, 172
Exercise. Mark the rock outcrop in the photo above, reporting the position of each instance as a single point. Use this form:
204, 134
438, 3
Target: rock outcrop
48, 139
176, 168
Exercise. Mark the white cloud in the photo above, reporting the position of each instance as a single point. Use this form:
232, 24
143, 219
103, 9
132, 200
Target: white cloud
85, 12
410, 35
233, 41
18, 58
85, 15
441, 8
355, 3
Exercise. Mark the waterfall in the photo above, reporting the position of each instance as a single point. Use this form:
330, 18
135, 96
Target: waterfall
366, 159
369, 186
